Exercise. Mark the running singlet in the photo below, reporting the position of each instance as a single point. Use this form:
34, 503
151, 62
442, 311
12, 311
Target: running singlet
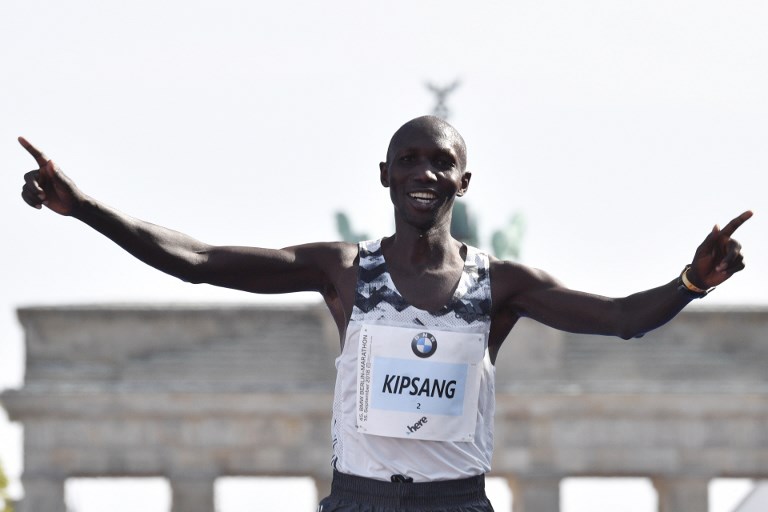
415, 389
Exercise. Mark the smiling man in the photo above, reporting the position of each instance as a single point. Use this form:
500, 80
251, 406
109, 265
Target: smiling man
421, 318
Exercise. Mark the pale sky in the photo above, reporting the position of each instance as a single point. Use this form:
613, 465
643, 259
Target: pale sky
621, 130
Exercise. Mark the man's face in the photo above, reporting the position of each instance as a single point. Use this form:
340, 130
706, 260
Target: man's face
424, 173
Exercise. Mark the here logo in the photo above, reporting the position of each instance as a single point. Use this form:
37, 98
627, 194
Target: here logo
416, 426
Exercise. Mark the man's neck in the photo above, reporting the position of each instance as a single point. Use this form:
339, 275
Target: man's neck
419, 250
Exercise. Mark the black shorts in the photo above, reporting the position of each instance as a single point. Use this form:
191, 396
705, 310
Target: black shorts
351, 493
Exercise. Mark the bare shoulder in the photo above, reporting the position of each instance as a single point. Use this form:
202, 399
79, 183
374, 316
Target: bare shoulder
511, 281
333, 256
516, 275
339, 262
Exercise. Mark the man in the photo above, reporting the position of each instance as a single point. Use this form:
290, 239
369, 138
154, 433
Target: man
421, 318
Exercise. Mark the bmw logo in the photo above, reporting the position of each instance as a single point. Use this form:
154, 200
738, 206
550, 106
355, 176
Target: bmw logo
424, 344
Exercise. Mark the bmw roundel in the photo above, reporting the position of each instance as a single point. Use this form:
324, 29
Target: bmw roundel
424, 344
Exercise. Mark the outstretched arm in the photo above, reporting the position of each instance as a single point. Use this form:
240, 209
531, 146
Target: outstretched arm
529, 292
301, 268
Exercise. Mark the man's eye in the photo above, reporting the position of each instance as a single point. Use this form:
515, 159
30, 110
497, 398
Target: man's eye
406, 158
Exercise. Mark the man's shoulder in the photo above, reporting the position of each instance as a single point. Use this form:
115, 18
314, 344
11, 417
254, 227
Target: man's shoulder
514, 277
507, 267
340, 253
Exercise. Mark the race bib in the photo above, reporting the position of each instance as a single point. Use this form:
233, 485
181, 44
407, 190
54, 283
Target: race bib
418, 383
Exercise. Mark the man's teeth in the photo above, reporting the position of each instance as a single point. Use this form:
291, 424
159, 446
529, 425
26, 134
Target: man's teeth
423, 197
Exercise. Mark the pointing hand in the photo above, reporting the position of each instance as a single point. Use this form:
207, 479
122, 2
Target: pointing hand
719, 256
48, 185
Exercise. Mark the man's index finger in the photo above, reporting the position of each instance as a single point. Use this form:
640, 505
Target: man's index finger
732, 226
38, 155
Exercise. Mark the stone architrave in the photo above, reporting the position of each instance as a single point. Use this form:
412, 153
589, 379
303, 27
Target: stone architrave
196, 393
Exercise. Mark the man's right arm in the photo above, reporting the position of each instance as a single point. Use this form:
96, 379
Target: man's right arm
311, 267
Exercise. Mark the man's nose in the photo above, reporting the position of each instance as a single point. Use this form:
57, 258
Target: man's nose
425, 172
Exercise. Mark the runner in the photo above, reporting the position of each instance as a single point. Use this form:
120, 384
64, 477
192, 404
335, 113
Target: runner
421, 318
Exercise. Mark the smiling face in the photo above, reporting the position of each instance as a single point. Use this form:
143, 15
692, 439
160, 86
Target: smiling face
425, 171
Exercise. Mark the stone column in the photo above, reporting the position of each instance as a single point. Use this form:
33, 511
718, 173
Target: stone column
535, 493
42, 493
682, 494
192, 493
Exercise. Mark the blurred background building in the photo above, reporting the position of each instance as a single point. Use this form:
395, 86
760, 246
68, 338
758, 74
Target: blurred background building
194, 394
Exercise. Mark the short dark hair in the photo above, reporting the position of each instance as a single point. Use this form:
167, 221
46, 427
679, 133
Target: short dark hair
431, 123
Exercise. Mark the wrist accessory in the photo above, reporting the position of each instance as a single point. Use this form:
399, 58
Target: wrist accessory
687, 286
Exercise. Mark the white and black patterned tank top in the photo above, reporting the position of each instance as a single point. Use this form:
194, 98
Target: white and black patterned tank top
377, 301
377, 297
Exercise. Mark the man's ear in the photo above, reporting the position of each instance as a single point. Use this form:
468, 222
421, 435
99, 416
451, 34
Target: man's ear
384, 174
464, 183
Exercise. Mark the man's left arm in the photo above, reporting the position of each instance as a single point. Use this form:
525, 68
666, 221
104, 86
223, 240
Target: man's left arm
529, 292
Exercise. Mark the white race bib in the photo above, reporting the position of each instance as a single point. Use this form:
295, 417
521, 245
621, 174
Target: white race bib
418, 383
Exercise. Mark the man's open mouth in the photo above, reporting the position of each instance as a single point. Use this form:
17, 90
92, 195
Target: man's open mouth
423, 197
